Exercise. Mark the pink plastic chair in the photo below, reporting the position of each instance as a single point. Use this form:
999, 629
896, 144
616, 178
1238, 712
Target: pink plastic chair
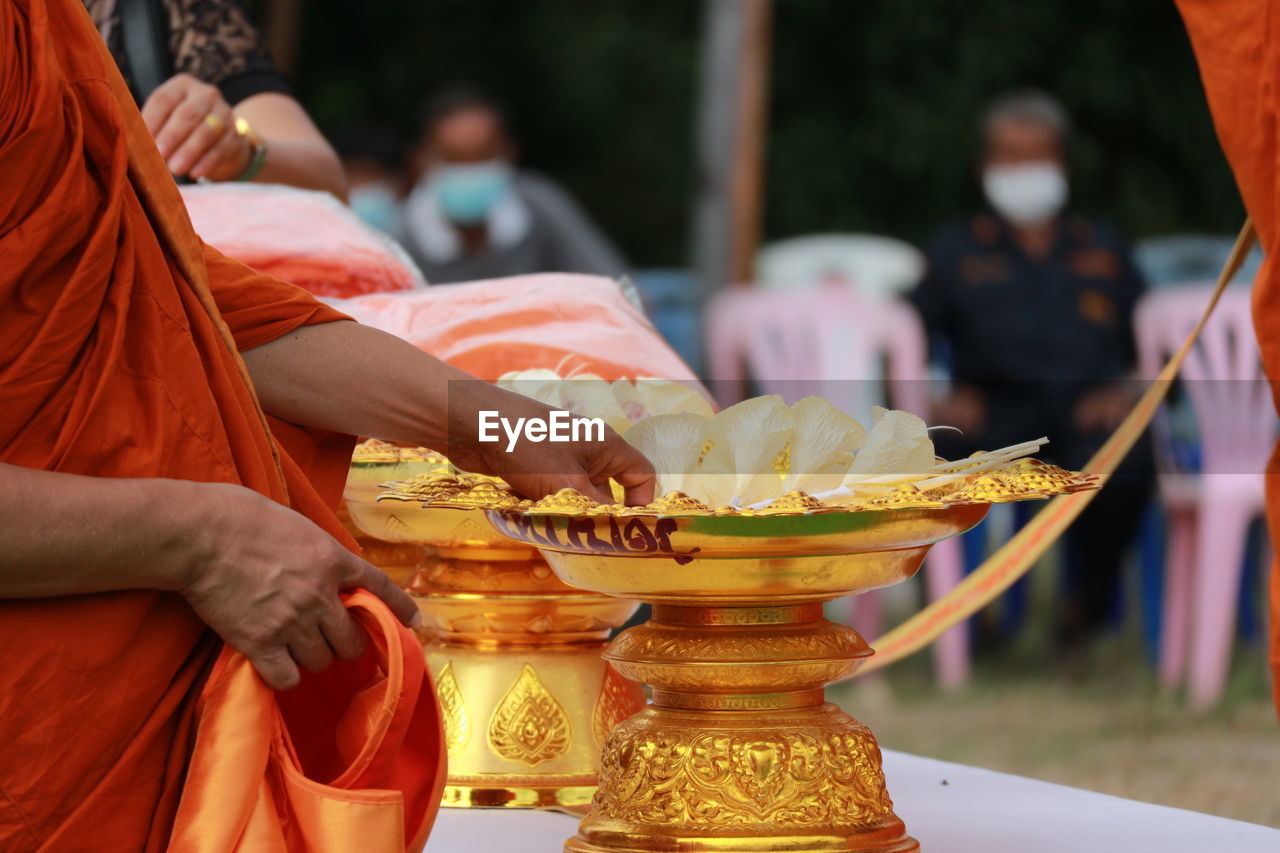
1209, 513
829, 342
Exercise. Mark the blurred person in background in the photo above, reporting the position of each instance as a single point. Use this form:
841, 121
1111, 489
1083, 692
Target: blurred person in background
1035, 305
372, 157
218, 107
473, 214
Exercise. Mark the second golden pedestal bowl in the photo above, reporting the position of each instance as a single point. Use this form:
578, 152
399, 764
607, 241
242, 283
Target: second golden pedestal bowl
526, 697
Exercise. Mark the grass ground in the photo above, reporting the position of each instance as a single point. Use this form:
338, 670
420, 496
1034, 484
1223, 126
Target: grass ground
1117, 733
1098, 720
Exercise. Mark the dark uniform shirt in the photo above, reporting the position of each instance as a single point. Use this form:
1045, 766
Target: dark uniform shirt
1033, 335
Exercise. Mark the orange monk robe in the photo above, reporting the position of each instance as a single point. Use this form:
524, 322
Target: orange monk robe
1237, 43
119, 339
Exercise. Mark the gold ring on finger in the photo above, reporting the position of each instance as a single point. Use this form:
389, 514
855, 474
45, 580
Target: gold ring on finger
215, 122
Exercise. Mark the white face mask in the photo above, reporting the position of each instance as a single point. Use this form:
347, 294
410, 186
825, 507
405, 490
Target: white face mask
1028, 193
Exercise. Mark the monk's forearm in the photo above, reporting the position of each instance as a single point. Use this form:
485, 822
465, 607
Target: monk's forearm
63, 534
354, 379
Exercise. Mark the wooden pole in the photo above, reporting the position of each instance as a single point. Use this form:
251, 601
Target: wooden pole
281, 28
730, 145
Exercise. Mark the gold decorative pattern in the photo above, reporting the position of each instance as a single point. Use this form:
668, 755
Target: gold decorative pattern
457, 724
565, 500
793, 501
529, 725
1019, 479
738, 616
452, 489
374, 451
733, 677
619, 699
675, 647
671, 502
693, 780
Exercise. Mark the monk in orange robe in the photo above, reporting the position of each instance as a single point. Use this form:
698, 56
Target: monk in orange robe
1237, 44
171, 449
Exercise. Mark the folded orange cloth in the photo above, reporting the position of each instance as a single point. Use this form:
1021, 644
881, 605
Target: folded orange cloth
119, 339
339, 761
1237, 43
558, 321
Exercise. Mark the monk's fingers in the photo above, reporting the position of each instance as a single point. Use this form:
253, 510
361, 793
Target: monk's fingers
641, 492
367, 577
639, 482
276, 667
629, 468
226, 160
343, 634
597, 490
310, 649
211, 127
535, 486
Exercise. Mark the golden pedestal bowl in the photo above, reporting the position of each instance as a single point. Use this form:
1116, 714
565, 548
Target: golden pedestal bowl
739, 752
516, 653
372, 464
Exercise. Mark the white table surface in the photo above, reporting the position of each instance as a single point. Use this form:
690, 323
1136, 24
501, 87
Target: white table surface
976, 811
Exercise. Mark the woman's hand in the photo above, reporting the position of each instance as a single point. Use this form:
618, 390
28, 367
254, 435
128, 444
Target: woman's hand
267, 581
194, 129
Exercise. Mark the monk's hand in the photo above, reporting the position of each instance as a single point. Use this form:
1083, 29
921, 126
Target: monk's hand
267, 580
539, 468
194, 129
535, 470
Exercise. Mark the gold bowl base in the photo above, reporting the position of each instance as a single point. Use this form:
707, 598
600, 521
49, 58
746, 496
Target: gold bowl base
739, 753
574, 799
805, 780
524, 724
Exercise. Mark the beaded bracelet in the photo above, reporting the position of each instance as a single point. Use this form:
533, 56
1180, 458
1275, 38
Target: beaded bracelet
259, 158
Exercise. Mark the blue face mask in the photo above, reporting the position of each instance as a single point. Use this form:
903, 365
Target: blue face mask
377, 205
467, 192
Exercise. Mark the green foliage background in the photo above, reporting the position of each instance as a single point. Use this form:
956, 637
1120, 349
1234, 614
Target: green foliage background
871, 116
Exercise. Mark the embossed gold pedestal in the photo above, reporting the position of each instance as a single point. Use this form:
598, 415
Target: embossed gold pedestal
516, 653
739, 752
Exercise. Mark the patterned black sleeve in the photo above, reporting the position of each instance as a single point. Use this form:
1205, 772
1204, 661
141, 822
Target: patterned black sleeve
215, 41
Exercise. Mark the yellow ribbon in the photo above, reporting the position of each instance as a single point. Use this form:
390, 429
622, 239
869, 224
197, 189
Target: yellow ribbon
1016, 557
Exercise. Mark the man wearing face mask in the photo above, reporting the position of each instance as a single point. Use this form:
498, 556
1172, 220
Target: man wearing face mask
473, 215
373, 158
1035, 304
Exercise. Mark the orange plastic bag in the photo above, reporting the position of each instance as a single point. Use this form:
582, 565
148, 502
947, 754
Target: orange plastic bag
305, 237
351, 759
559, 321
